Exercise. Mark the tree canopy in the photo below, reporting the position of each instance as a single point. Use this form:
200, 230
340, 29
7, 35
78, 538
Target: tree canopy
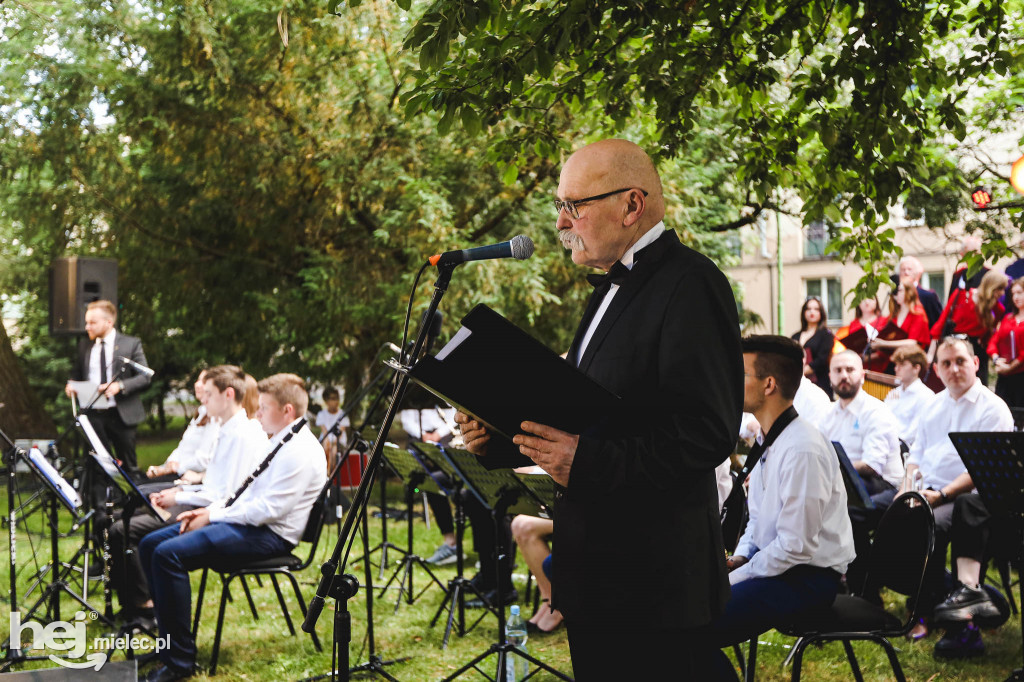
851, 107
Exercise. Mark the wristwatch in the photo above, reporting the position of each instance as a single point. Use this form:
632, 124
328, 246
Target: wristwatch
943, 495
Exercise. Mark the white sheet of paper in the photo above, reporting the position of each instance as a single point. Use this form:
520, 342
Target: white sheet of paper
459, 337
54, 477
86, 391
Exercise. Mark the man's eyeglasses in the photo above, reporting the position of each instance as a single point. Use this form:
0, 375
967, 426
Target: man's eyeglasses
571, 206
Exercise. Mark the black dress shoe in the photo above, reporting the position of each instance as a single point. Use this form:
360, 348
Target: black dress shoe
165, 673
493, 599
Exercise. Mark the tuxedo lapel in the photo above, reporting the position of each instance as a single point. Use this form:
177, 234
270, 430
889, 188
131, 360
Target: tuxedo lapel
644, 268
593, 303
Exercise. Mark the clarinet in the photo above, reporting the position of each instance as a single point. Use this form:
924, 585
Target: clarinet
265, 463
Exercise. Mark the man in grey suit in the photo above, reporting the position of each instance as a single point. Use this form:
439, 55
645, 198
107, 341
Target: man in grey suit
101, 359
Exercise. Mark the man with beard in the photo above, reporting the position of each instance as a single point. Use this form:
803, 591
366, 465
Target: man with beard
869, 433
642, 482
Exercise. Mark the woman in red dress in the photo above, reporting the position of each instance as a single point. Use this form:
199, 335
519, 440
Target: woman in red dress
906, 313
1006, 348
867, 313
973, 312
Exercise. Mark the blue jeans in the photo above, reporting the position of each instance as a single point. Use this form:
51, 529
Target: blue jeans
168, 556
760, 604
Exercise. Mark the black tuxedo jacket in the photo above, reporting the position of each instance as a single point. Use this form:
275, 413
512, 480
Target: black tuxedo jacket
637, 533
930, 302
128, 402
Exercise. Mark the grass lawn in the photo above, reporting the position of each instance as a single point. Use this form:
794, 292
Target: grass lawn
263, 650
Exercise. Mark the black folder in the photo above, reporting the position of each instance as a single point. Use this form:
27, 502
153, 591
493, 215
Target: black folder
501, 375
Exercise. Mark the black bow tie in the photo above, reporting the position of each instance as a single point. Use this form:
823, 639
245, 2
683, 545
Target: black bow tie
617, 275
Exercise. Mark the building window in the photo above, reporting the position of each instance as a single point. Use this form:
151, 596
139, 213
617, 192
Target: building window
815, 238
830, 292
936, 281
734, 244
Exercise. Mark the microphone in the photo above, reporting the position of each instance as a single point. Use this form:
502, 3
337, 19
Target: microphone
148, 371
519, 247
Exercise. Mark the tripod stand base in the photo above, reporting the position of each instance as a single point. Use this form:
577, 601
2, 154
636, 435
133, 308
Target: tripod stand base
504, 651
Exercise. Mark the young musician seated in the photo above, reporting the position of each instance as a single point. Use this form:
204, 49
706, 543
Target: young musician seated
196, 447
264, 517
798, 540
965, 405
238, 450
908, 400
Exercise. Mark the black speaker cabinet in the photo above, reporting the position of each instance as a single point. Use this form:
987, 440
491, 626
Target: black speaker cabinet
74, 284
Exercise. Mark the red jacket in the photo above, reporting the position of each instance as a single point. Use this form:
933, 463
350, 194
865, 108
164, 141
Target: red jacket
915, 324
1008, 341
961, 310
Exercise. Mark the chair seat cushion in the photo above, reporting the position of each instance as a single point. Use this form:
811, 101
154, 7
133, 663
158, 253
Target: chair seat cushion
847, 614
289, 561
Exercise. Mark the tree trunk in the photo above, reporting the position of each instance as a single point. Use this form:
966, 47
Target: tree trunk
21, 412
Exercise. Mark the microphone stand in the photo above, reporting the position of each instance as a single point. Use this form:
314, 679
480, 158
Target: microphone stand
342, 586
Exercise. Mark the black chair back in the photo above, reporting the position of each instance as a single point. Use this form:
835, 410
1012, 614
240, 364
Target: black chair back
902, 544
315, 524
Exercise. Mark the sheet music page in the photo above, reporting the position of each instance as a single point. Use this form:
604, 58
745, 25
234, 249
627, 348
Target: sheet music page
102, 455
86, 391
456, 341
54, 477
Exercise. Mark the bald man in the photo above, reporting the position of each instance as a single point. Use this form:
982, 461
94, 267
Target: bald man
912, 268
660, 331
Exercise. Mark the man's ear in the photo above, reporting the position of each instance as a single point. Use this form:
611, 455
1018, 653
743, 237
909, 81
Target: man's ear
635, 205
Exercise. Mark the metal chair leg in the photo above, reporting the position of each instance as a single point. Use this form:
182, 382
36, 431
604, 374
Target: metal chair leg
852, 658
248, 595
220, 624
284, 607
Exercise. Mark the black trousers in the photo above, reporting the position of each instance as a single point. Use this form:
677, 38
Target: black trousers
1011, 389
485, 541
442, 512
117, 436
129, 580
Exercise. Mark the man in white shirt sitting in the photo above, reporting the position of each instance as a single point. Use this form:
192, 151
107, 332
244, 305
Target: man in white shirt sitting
810, 401
197, 443
869, 433
908, 400
798, 540
965, 405
264, 517
239, 444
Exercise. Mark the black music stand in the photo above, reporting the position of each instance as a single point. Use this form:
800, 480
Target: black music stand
455, 597
416, 478
497, 490
59, 492
995, 461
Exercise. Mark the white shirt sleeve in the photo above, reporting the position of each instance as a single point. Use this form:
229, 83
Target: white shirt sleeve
804, 498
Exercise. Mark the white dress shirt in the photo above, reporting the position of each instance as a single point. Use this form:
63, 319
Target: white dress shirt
649, 237
869, 433
428, 418
283, 495
979, 409
240, 446
797, 505
723, 480
195, 450
326, 421
94, 365
907, 404
811, 402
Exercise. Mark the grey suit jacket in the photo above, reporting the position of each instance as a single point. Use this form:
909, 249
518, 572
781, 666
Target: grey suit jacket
128, 402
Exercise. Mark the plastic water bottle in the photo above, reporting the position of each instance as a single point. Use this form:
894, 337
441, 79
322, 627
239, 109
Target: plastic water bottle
516, 667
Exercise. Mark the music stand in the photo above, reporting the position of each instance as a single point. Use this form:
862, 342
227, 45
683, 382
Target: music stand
856, 492
415, 477
497, 490
60, 493
995, 461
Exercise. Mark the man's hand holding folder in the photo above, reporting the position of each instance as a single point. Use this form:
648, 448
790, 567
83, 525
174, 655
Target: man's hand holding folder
551, 449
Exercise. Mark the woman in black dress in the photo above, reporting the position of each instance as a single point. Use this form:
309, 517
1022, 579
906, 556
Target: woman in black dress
817, 340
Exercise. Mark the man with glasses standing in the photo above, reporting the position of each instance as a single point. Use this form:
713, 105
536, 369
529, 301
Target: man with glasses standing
661, 331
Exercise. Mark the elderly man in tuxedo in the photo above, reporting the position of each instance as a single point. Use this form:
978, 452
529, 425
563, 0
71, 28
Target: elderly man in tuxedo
101, 359
660, 331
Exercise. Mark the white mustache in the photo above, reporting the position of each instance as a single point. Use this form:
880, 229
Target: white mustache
571, 240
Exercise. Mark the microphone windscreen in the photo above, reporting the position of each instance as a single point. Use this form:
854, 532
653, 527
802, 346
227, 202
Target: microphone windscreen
522, 247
